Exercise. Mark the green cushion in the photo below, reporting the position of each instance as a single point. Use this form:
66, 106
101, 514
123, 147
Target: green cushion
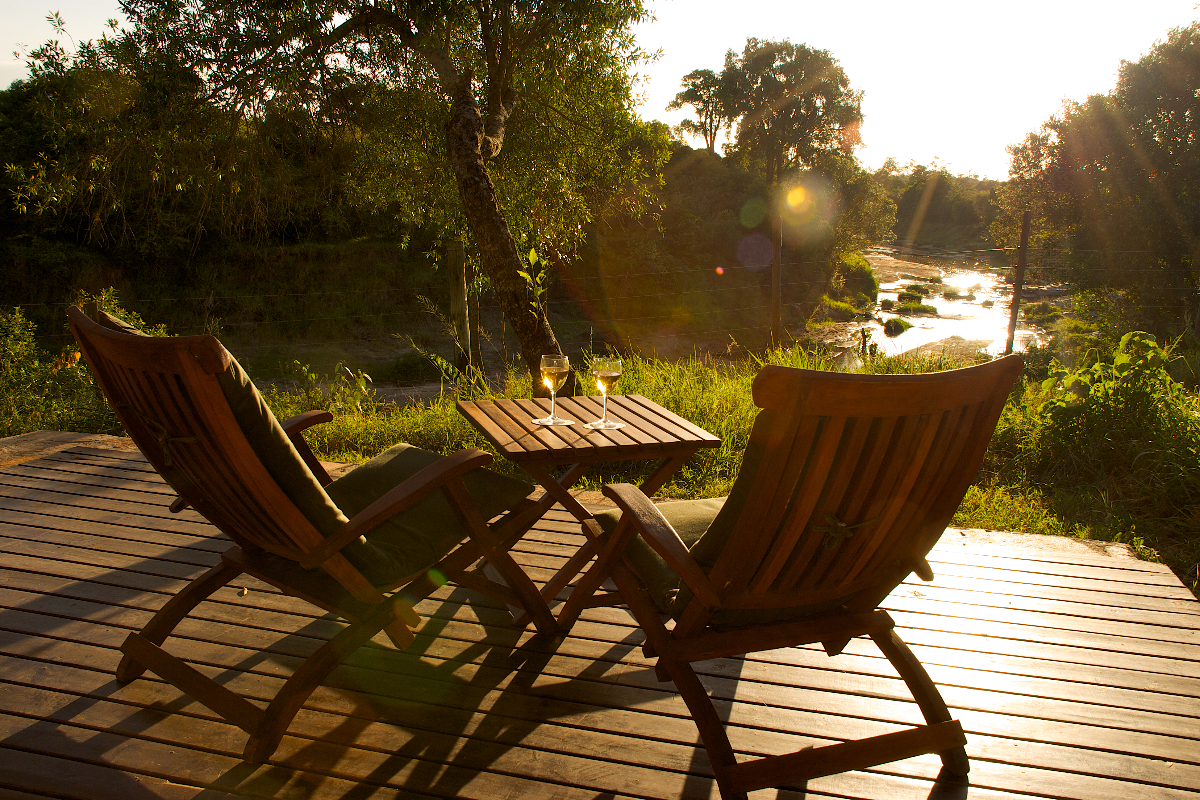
276, 451
418, 538
690, 519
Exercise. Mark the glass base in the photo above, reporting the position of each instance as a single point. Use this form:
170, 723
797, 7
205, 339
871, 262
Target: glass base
552, 421
605, 425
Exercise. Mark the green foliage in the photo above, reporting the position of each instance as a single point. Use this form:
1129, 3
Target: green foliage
1091, 400
910, 363
896, 326
1042, 313
886, 305
1110, 184
702, 91
836, 310
857, 277
115, 147
934, 207
44, 391
1111, 446
917, 289
791, 104
915, 307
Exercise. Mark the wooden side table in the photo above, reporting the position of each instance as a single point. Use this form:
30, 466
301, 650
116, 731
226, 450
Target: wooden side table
651, 432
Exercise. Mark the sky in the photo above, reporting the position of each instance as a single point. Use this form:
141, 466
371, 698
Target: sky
952, 81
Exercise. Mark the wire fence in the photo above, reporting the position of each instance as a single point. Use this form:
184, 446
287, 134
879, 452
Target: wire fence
587, 311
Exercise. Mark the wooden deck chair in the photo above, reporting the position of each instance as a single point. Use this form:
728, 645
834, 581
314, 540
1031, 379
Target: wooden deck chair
846, 484
346, 546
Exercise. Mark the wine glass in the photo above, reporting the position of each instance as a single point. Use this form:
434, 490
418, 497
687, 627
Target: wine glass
554, 374
606, 371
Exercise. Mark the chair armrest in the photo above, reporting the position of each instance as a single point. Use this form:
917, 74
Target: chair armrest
293, 426
659, 534
401, 497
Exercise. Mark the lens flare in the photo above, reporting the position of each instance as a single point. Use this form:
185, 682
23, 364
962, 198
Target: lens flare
755, 252
808, 210
720, 270
754, 211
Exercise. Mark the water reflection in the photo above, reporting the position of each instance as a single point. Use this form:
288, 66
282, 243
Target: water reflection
983, 319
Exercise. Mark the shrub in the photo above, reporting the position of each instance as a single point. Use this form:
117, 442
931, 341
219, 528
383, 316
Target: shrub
1043, 313
896, 326
44, 391
916, 288
951, 293
912, 307
1124, 427
858, 277
910, 297
837, 310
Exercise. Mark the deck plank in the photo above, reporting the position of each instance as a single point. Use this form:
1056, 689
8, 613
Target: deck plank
1074, 675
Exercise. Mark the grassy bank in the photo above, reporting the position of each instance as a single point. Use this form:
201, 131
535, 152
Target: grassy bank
1108, 452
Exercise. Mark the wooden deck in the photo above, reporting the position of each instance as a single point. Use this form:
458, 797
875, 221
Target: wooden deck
1074, 676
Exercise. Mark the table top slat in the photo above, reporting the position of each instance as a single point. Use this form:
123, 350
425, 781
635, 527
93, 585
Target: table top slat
692, 430
570, 435
538, 433
653, 424
502, 437
509, 437
588, 409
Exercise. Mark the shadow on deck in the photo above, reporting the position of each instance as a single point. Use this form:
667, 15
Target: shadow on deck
1074, 676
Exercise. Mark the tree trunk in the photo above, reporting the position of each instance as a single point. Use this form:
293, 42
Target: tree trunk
497, 250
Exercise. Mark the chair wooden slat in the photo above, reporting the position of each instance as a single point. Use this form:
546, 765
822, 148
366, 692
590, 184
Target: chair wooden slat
802, 498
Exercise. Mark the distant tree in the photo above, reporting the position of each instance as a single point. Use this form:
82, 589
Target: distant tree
934, 206
115, 147
1112, 181
702, 92
483, 60
791, 104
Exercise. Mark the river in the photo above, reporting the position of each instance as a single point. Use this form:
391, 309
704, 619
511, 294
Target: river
963, 326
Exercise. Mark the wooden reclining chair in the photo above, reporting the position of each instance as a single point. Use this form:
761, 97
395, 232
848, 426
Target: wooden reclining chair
346, 546
846, 484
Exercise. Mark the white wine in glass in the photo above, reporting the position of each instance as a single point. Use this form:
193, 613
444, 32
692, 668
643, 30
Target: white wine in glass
554, 375
606, 371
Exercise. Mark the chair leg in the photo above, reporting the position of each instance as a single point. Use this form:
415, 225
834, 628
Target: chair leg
288, 701
608, 552
160, 626
695, 696
924, 691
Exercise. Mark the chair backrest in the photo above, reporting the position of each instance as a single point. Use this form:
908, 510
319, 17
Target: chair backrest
168, 393
854, 479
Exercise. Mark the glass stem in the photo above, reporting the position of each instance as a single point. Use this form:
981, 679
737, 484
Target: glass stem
552, 405
604, 409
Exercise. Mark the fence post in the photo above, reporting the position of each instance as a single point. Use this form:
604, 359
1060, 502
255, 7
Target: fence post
777, 282
456, 262
1018, 282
